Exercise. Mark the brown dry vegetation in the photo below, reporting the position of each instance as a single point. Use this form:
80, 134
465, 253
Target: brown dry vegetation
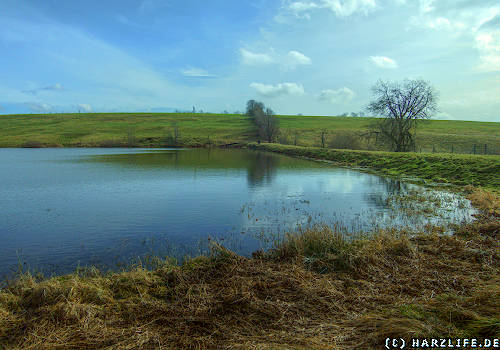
314, 291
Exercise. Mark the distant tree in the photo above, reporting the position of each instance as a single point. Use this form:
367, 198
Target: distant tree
354, 114
194, 110
344, 115
401, 105
267, 123
253, 107
265, 120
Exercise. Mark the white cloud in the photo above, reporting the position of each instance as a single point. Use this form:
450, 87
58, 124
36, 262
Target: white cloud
295, 58
196, 72
300, 9
488, 45
34, 91
460, 16
289, 61
426, 6
278, 89
84, 107
347, 8
338, 7
39, 107
437, 23
384, 62
255, 59
336, 96
299, 6
55, 87
479, 18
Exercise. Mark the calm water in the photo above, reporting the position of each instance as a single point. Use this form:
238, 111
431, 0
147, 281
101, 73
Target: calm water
63, 208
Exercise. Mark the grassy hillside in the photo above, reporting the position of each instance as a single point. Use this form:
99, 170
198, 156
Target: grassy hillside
122, 129
156, 130
440, 135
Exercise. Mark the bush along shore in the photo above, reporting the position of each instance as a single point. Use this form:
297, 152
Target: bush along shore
314, 290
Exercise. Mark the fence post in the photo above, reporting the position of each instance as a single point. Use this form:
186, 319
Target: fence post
485, 149
433, 149
451, 148
474, 149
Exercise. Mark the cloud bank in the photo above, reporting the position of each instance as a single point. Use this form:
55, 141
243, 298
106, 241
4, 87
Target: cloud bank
384, 62
336, 96
277, 90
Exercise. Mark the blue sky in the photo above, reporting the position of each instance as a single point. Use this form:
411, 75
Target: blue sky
315, 57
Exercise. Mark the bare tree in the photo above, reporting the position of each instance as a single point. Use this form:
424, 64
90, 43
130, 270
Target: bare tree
267, 123
265, 120
401, 105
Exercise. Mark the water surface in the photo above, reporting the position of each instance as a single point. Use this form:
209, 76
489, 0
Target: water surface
63, 208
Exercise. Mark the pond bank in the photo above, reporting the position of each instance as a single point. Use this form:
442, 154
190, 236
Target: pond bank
461, 170
314, 291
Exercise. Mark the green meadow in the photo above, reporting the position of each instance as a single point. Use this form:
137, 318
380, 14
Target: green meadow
440, 135
123, 129
195, 130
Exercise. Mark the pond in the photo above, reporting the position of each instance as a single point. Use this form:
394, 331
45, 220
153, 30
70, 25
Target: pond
64, 208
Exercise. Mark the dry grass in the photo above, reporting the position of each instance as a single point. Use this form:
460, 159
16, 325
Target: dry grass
488, 202
314, 291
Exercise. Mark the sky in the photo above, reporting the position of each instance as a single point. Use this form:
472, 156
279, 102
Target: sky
313, 57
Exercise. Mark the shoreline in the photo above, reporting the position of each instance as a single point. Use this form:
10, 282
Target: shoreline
314, 291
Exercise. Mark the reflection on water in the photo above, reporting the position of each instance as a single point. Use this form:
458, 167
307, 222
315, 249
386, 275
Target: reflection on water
262, 169
67, 207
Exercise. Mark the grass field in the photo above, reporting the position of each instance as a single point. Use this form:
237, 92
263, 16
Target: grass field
122, 129
156, 130
438, 134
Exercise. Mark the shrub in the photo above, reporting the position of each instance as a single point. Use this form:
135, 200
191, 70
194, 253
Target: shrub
345, 141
